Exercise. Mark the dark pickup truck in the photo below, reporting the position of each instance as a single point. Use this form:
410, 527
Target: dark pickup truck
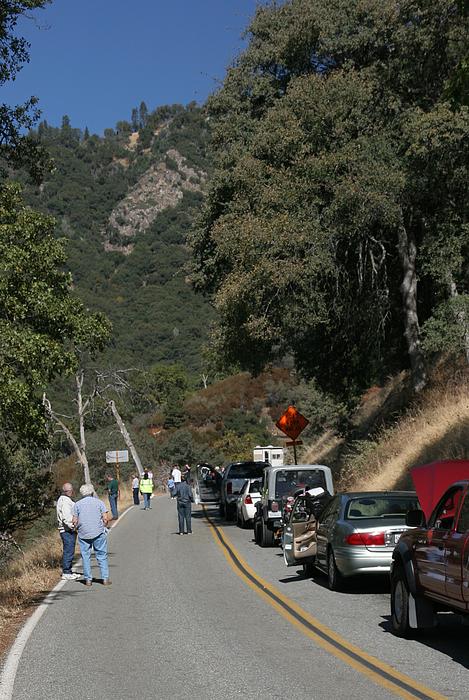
430, 568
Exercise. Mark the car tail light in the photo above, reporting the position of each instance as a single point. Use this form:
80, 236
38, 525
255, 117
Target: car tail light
229, 487
367, 539
248, 500
274, 507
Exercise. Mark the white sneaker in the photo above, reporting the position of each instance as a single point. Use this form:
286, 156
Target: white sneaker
70, 577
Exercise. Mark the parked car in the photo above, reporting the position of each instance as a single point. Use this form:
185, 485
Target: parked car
234, 478
356, 534
280, 484
430, 570
246, 503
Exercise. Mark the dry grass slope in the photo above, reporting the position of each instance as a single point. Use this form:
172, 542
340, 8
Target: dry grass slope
437, 428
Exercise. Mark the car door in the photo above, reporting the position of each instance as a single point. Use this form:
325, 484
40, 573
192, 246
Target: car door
325, 527
457, 557
299, 535
431, 545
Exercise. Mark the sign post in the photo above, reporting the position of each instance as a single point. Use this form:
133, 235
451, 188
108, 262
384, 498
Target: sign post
117, 457
292, 423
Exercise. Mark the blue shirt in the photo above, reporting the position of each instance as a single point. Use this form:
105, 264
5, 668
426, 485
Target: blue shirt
89, 511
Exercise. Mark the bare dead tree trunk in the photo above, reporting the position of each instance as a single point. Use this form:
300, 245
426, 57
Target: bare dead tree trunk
408, 254
126, 436
81, 454
204, 380
460, 316
79, 378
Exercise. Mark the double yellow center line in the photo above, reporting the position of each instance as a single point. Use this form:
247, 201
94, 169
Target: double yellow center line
378, 671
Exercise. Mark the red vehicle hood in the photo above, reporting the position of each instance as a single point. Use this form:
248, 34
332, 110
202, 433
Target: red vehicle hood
432, 480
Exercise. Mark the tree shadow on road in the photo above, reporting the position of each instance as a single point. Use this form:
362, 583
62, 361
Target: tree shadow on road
449, 637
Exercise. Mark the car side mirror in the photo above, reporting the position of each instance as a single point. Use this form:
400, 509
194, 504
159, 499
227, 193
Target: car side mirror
415, 518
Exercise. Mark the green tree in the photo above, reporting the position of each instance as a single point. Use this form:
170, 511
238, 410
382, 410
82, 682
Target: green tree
17, 147
42, 324
134, 119
315, 228
160, 385
143, 115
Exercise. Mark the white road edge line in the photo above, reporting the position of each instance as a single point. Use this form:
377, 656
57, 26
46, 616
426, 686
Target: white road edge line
8, 674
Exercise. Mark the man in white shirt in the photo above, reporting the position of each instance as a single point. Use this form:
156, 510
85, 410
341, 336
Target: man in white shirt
176, 474
67, 531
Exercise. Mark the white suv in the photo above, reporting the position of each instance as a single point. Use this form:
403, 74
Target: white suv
280, 485
234, 478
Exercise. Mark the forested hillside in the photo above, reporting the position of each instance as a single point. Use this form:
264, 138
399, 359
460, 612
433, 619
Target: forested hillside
124, 203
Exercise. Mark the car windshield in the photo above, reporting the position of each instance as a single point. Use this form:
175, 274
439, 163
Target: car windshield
287, 481
249, 470
385, 506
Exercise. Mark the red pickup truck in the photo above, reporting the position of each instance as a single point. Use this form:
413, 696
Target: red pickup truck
430, 568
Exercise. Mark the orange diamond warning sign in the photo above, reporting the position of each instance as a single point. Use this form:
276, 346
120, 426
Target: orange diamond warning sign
292, 423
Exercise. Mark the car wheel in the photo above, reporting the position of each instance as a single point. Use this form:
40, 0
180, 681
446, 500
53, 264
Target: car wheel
267, 537
400, 604
239, 519
257, 537
334, 577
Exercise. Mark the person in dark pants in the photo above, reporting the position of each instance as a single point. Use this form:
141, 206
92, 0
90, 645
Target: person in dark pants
67, 531
136, 489
113, 491
184, 502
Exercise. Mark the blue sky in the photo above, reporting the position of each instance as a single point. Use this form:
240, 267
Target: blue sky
96, 59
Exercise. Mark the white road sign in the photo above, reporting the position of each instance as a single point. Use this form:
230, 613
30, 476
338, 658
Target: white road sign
117, 456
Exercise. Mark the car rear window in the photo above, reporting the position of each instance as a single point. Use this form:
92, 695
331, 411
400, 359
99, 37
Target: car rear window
287, 481
380, 507
255, 487
250, 470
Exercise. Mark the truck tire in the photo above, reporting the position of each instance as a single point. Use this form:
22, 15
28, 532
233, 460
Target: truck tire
267, 537
229, 513
400, 604
257, 534
334, 577
221, 509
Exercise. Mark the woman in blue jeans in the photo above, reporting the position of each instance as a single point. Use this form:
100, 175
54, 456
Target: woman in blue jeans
90, 516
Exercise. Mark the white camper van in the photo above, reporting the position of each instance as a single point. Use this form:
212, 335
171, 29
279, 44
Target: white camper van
271, 454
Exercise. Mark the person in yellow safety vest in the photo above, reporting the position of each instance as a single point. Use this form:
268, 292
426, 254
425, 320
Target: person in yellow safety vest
146, 489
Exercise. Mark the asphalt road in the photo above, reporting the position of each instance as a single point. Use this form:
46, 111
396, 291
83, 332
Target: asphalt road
178, 622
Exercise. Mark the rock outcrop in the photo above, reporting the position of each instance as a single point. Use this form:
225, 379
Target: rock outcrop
160, 187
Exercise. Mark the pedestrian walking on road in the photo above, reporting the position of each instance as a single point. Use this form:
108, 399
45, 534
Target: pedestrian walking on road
114, 493
176, 474
136, 489
185, 499
146, 489
90, 517
171, 487
68, 533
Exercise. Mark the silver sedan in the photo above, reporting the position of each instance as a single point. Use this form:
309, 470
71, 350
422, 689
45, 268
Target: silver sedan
357, 533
